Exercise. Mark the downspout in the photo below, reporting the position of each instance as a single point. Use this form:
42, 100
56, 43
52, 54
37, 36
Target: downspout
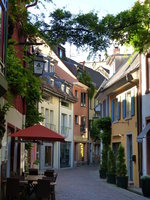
59, 130
139, 119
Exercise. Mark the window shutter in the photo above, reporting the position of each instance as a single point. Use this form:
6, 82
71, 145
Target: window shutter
112, 110
119, 110
132, 106
124, 108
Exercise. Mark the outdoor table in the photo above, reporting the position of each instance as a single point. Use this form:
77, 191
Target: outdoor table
31, 181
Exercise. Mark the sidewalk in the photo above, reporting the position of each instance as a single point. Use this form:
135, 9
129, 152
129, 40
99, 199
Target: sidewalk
134, 189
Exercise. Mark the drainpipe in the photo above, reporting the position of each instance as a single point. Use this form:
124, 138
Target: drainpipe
59, 130
139, 119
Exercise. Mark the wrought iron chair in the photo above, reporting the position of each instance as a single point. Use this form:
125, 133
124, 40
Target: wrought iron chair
33, 171
42, 189
13, 190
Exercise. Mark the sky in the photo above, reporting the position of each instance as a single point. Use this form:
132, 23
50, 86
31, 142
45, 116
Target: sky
103, 7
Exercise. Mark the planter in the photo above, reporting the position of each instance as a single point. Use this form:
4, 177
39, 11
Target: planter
122, 181
111, 178
145, 183
102, 174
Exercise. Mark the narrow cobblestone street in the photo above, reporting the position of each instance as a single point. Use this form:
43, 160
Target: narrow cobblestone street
83, 183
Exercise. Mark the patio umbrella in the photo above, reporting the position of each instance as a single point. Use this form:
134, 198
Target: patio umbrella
38, 132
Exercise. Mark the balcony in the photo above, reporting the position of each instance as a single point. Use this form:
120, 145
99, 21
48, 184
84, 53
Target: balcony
50, 126
65, 131
3, 82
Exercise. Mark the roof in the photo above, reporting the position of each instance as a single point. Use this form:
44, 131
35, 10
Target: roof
131, 64
38, 132
72, 65
64, 75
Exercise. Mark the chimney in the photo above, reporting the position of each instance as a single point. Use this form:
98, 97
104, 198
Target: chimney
99, 57
83, 65
116, 50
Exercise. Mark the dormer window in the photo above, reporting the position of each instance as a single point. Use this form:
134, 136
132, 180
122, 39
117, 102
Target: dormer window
63, 87
52, 82
60, 53
67, 90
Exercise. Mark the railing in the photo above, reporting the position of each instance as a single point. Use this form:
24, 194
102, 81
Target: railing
50, 126
65, 131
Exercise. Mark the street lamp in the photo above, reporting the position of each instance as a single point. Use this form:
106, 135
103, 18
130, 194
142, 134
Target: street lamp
39, 63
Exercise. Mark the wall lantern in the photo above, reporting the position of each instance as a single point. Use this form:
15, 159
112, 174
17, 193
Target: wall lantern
39, 63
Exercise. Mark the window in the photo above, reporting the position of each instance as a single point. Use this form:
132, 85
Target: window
104, 108
76, 93
148, 73
51, 116
52, 82
91, 103
76, 119
128, 104
46, 117
70, 121
51, 68
115, 110
83, 124
60, 53
46, 66
62, 87
66, 104
83, 99
67, 90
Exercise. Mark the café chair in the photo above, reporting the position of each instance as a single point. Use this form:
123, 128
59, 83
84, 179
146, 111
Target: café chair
13, 190
33, 171
42, 189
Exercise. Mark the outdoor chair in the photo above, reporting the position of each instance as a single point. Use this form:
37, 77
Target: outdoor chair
42, 189
49, 172
13, 189
33, 171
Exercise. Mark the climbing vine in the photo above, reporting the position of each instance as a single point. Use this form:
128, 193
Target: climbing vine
23, 82
3, 111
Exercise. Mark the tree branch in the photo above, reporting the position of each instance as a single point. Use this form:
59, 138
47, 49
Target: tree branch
31, 5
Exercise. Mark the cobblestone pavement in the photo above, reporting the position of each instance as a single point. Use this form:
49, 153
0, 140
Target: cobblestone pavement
83, 183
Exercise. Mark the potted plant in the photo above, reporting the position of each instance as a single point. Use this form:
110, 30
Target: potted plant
36, 164
145, 184
111, 169
103, 165
121, 170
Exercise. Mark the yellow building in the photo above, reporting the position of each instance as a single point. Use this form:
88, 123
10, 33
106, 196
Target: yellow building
122, 90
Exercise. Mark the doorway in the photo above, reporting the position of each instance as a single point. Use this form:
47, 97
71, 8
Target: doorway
129, 157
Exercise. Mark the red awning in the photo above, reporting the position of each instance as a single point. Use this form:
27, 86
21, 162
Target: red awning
38, 132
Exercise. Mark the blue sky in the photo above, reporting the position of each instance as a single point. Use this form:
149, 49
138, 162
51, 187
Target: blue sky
104, 6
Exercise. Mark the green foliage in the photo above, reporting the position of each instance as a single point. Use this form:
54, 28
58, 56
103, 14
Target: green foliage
145, 177
23, 82
104, 165
3, 112
120, 163
85, 30
85, 78
95, 131
131, 26
36, 162
105, 127
111, 162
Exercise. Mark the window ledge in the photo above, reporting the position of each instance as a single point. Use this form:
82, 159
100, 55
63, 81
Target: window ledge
128, 118
116, 121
